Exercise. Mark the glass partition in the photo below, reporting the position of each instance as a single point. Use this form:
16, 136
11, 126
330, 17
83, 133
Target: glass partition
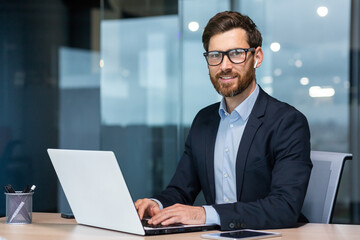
154, 78
149, 87
306, 48
139, 98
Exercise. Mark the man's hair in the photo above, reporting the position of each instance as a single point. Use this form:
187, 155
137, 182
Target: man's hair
228, 20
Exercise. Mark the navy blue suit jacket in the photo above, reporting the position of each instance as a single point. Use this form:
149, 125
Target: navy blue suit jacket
272, 167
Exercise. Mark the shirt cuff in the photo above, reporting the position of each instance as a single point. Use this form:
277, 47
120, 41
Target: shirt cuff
211, 215
158, 202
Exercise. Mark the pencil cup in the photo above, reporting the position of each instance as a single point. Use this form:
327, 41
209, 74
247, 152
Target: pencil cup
19, 208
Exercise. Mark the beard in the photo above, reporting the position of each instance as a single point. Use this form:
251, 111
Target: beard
234, 88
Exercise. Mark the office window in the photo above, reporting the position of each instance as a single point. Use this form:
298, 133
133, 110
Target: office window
148, 85
47, 59
139, 96
152, 88
307, 62
306, 48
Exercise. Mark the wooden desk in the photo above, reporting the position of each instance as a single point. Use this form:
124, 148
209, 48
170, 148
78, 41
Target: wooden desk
52, 226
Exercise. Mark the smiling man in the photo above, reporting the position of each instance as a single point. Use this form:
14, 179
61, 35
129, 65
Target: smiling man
249, 154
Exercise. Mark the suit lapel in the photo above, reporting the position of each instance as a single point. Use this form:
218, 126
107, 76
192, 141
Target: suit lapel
210, 140
253, 124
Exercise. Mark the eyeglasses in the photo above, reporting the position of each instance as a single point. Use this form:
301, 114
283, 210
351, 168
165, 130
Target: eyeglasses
236, 56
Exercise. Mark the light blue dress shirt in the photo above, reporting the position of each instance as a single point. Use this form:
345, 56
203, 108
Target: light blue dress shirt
231, 129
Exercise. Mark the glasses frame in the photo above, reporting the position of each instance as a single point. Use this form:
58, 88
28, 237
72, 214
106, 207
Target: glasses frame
226, 53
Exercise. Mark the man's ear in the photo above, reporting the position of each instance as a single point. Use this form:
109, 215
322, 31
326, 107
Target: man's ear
258, 57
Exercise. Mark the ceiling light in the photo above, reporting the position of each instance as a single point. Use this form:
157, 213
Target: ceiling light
193, 26
304, 81
318, 92
275, 46
322, 11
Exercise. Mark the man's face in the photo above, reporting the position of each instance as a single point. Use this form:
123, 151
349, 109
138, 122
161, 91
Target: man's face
230, 79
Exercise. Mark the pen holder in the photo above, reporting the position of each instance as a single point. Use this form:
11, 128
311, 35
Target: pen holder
19, 208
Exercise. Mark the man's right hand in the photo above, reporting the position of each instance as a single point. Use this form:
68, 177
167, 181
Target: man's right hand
146, 207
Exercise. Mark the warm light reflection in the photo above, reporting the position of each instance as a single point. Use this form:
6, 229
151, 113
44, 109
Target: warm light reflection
336, 79
322, 11
275, 46
304, 81
267, 80
193, 26
101, 63
298, 63
317, 92
277, 72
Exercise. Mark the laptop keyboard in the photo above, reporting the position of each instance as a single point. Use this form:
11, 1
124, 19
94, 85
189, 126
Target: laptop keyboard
146, 224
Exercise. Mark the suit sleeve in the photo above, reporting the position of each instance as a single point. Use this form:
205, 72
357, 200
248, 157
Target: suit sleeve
290, 147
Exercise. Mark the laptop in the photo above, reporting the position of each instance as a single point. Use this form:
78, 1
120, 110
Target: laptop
98, 195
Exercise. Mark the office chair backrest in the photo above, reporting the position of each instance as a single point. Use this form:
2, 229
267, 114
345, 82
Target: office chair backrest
323, 186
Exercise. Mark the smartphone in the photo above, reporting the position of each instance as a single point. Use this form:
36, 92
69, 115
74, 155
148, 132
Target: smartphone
241, 234
67, 215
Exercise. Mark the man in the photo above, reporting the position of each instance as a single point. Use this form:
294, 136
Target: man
249, 154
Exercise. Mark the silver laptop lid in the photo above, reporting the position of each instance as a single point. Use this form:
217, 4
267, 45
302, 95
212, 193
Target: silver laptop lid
96, 189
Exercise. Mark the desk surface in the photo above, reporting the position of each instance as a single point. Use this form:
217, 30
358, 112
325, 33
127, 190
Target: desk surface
52, 226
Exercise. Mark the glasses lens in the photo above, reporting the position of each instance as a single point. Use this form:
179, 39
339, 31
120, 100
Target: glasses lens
237, 55
214, 58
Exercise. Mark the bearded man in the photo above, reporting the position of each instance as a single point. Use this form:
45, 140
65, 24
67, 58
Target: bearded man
249, 154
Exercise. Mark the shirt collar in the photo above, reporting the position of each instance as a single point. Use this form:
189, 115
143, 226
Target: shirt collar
243, 109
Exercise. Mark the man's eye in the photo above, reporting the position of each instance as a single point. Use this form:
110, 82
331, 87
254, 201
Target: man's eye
236, 53
214, 55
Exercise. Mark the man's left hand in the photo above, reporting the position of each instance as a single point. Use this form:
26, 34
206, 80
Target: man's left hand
179, 213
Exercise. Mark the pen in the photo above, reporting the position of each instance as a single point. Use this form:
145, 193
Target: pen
21, 205
17, 211
10, 189
32, 188
27, 189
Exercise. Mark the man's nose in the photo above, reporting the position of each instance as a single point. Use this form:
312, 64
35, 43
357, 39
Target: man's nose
226, 64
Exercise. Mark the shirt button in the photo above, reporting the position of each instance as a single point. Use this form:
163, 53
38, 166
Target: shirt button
231, 125
225, 175
226, 200
226, 149
226, 114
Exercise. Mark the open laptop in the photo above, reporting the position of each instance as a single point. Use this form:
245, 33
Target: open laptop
98, 196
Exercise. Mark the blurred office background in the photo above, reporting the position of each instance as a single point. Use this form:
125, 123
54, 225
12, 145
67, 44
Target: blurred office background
129, 76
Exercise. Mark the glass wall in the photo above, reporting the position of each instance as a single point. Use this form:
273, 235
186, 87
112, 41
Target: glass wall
139, 96
140, 93
306, 47
49, 83
197, 91
145, 105
154, 78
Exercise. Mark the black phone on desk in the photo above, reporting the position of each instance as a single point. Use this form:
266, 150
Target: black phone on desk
67, 215
241, 234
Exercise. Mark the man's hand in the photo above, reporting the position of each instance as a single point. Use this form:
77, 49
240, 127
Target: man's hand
146, 207
179, 213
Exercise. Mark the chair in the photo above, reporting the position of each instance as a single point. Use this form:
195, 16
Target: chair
323, 185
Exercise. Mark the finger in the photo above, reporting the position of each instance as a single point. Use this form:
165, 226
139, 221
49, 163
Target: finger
162, 216
154, 210
176, 207
137, 203
141, 210
172, 220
